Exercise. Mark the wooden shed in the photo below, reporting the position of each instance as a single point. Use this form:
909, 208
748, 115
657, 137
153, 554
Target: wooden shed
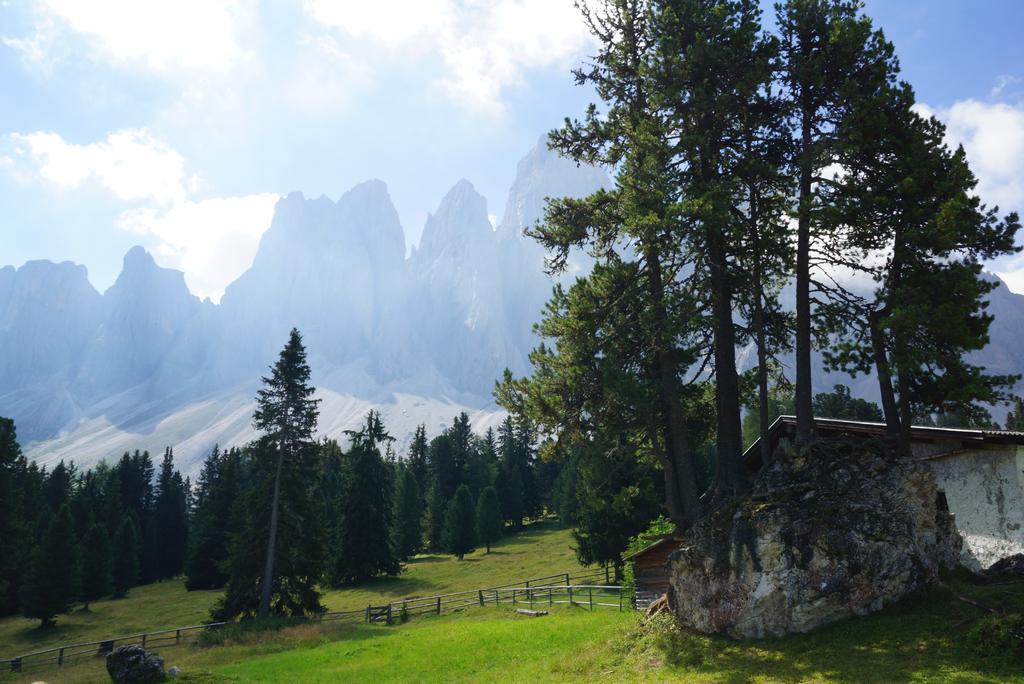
650, 568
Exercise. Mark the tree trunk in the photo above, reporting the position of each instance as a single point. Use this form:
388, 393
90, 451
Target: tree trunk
762, 382
727, 394
884, 373
802, 395
906, 419
680, 480
268, 569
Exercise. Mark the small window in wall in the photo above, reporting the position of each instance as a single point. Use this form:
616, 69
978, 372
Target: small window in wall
940, 501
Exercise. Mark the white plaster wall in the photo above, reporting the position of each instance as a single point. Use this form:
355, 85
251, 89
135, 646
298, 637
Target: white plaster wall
985, 491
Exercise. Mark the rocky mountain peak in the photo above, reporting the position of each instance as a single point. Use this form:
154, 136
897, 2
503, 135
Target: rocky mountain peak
544, 173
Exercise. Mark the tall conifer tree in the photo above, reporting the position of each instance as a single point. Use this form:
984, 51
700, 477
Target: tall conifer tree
489, 523
52, 585
460, 523
277, 559
364, 545
97, 565
126, 557
408, 517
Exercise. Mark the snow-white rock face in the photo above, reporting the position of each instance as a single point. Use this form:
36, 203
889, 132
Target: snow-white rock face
49, 315
456, 298
147, 365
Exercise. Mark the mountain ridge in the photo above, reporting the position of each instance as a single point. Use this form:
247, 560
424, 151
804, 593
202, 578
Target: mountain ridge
419, 336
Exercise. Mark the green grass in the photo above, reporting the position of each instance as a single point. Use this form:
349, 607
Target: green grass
918, 640
922, 639
541, 549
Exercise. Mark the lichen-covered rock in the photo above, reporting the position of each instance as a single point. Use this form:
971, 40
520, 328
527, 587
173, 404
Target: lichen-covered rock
837, 529
135, 665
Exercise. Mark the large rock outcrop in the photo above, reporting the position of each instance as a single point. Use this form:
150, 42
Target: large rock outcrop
835, 530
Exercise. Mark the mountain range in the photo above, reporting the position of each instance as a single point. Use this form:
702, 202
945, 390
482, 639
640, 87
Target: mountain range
418, 333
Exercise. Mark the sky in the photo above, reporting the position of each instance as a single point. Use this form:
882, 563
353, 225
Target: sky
177, 125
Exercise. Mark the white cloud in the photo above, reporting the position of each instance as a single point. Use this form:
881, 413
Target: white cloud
212, 241
325, 77
390, 21
485, 46
152, 34
992, 134
130, 163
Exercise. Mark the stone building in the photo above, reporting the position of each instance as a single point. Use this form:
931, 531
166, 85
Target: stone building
980, 474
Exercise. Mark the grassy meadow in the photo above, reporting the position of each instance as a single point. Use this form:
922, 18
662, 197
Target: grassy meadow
922, 639
541, 549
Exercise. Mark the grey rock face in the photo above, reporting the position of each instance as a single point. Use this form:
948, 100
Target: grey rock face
837, 530
135, 665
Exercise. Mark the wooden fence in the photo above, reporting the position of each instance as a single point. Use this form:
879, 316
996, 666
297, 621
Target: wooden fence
563, 588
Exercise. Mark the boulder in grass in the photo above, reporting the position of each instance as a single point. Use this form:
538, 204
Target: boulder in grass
833, 530
135, 665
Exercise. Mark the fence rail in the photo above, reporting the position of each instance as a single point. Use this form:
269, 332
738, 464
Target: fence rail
549, 590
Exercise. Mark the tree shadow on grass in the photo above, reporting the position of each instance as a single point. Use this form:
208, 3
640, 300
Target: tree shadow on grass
921, 638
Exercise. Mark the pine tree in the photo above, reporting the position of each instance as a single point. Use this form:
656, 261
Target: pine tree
52, 585
170, 519
839, 404
13, 531
1015, 418
509, 486
489, 522
445, 470
364, 546
616, 500
459, 524
618, 342
301, 541
832, 62
910, 198
408, 517
213, 523
126, 557
435, 516
284, 516
97, 565
416, 460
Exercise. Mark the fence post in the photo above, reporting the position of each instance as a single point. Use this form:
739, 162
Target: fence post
591, 590
497, 598
620, 599
367, 613
60, 657
513, 597
551, 601
529, 593
567, 581
16, 664
177, 636
480, 594
570, 593
606, 579
143, 642
438, 605
389, 613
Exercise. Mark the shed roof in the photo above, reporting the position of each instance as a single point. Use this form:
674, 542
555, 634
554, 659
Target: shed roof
653, 545
918, 433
